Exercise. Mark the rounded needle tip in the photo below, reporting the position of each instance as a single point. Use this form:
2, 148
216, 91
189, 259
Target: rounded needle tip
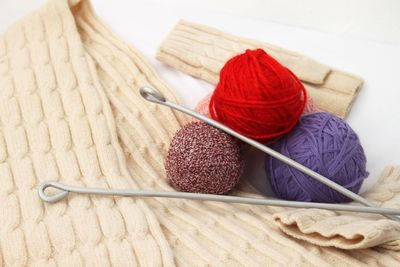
51, 198
151, 94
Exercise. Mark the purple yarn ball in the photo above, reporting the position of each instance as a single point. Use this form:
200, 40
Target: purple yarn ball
325, 144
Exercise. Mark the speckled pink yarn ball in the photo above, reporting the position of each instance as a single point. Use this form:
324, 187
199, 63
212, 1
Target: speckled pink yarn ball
202, 159
203, 106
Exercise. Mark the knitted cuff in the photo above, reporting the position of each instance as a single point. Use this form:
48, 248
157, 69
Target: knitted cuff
202, 51
345, 230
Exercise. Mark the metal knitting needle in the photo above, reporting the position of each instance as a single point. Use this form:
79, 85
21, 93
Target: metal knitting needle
152, 95
66, 189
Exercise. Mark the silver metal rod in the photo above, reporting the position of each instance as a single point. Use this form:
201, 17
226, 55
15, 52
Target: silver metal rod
155, 96
66, 189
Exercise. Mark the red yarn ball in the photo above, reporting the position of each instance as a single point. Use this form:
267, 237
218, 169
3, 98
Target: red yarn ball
257, 96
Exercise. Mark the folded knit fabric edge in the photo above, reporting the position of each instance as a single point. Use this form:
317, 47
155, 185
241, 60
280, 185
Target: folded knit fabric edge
347, 230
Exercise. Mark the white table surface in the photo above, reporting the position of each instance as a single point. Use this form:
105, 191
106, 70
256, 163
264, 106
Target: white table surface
375, 115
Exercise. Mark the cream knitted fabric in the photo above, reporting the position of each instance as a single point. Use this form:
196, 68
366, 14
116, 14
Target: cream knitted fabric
57, 123
70, 111
202, 51
345, 230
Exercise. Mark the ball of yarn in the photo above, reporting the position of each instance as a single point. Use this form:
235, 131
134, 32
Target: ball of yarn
202, 106
257, 96
202, 159
310, 105
325, 144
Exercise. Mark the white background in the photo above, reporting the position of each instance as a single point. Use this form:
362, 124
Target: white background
359, 36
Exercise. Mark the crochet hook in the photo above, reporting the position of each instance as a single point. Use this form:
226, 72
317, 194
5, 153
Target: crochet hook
66, 189
152, 95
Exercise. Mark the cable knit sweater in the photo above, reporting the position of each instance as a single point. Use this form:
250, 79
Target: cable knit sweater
70, 111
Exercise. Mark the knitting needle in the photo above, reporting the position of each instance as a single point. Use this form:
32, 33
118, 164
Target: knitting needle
152, 95
66, 189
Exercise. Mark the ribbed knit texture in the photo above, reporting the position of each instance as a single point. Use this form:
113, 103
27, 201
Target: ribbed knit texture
70, 111
202, 51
